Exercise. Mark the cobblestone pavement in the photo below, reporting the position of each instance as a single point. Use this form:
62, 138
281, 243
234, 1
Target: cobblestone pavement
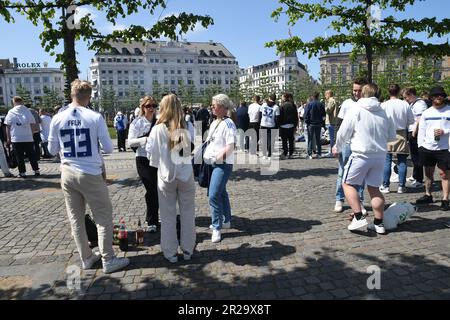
285, 242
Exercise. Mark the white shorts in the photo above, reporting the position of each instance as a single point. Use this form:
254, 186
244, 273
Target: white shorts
360, 169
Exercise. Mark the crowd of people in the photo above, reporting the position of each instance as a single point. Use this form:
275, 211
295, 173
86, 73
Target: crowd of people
365, 136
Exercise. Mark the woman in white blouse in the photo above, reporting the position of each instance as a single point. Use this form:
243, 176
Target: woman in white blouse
219, 153
169, 150
137, 139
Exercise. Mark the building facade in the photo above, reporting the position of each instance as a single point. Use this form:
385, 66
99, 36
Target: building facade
275, 75
338, 68
167, 65
34, 77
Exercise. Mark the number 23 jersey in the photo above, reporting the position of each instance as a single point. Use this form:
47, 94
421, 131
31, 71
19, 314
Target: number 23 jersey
76, 133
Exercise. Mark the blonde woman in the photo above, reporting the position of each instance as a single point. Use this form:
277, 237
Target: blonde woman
168, 149
219, 153
138, 135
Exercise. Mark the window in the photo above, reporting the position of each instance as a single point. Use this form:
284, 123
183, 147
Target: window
111, 82
57, 79
125, 71
103, 71
201, 71
109, 60
141, 72
172, 71
126, 82
110, 71
27, 80
151, 60
191, 61
102, 60
189, 71
201, 80
37, 91
18, 80
214, 72
172, 81
154, 71
133, 60
165, 60
104, 82
119, 82
135, 81
141, 81
119, 71
178, 60
119, 60
165, 71
135, 72
157, 60
120, 94
179, 71
166, 82
186, 61
140, 60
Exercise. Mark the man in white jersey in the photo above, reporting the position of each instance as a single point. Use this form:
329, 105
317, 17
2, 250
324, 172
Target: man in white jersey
77, 134
253, 114
270, 112
433, 142
418, 106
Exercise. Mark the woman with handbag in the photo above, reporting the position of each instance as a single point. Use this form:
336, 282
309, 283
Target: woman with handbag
138, 134
219, 153
169, 149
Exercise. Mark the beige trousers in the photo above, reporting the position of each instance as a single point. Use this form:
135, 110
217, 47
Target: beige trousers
80, 189
168, 195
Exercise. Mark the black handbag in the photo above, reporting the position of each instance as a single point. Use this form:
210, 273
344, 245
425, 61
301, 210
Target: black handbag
11, 158
205, 170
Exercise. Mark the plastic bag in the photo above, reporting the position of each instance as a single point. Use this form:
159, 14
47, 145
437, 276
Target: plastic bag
398, 213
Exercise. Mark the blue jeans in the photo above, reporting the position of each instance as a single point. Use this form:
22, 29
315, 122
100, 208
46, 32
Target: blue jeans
219, 202
401, 169
330, 129
343, 159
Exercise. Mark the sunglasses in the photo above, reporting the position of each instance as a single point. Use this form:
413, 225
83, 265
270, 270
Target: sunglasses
438, 96
148, 106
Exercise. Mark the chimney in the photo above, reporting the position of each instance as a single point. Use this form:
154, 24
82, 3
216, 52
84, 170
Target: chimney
14, 62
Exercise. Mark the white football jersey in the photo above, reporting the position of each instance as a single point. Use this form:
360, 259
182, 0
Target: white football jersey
77, 133
268, 115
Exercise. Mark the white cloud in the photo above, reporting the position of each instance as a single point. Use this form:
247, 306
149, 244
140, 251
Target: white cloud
81, 12
113, 27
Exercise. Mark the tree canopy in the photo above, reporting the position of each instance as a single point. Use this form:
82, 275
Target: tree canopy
57, 18
354, 23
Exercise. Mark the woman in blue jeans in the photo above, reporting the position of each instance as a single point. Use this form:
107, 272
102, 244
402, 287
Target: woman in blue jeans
219, 153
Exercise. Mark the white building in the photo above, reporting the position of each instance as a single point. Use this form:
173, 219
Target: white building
170, 64
31, 76
273, 75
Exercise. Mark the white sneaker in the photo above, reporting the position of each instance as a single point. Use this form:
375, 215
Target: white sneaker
310, 157
384, 189
416, 184
91, 261
115, 264
401, 190
357, 224
187, 256
410, 179
363, 210
216, 236
152, 228
378, 228
338, 206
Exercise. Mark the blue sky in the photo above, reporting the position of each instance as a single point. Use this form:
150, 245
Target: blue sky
243, 26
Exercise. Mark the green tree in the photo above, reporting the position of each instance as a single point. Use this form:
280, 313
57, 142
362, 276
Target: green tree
51, 98
57, 17
108, 100
446, 85
353, 23
156, 91
24, 94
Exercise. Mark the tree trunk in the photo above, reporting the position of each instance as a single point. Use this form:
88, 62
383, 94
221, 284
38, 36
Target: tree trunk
69, 56
368, 46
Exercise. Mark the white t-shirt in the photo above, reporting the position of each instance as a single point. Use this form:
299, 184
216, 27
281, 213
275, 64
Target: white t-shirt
45, 127
138, 128
77, 132
417, 108
170, 165
431, 119
268, 115
346, 106
20, 119
400, 113
224, 135
253, 112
